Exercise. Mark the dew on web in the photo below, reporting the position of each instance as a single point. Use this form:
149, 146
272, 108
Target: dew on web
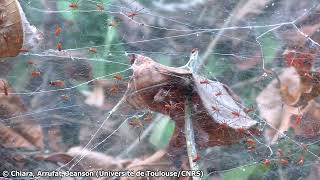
228, 89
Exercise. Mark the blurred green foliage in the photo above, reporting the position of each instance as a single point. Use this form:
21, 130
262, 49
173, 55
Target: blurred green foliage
243, 173
81, 31
162, 133
92, 30
270, 45
95, 31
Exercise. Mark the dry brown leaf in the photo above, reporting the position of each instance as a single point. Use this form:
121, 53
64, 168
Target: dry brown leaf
309, 125
271, 107
11, 139
61, 159
309, 86
310, 89
282, 116
32, 131
96, 160
11, 29
173, 84
20, 160
228, 104
11, 106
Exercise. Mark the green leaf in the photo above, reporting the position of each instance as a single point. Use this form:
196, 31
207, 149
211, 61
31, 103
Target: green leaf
218, 65
270, 45
243, 173
162, 133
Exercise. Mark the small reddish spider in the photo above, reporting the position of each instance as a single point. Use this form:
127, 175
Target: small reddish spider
224, 125
255, 131
136, 123
241, 131
218, 93
301, 161
58, 31
194, 50
251, 142
235, 114
18, 39
214, 109
248, 110
298, 120
196, 158
65, 97
172, 106
57, 83
305, 147
162, 95
308, 75
114, 89
59, 46
112, 23
206, 81
148, 118
93, 50
35, 74
251, 148
74, 5
30, 62
118, 77
134, 14
5, 88
266, 162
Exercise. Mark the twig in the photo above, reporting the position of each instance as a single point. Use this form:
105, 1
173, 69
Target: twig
189, 134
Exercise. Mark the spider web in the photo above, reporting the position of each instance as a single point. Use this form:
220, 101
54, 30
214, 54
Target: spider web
237, 46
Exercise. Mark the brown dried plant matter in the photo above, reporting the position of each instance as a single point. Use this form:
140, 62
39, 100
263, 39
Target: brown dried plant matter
17, 132
21, 160
309, 87
276, 107
11, 30
294, 101
164, 89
